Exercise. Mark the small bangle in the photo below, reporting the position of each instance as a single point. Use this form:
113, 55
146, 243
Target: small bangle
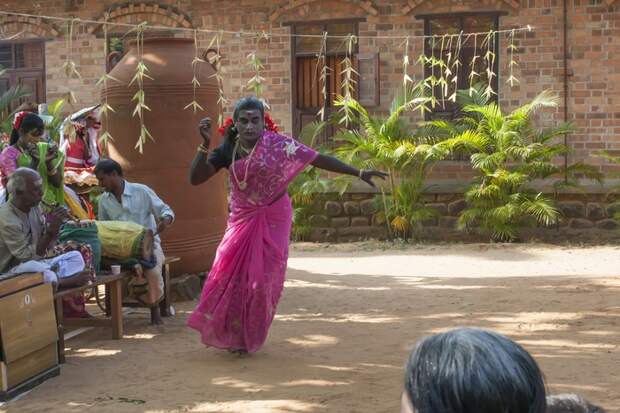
202, 149
53, 172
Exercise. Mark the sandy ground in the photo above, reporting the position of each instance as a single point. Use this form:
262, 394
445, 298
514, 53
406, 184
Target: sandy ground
348, 317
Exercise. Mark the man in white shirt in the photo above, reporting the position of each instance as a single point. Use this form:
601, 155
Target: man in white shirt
137, 203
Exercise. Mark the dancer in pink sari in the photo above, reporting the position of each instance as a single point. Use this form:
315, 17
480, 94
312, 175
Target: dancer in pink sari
241, 294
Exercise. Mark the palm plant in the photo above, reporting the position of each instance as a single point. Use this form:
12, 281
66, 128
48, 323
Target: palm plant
615, 189
389, 143
6, 100
509, 154
55, 110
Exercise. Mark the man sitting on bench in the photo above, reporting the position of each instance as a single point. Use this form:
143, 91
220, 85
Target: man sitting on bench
27, 238
127, 201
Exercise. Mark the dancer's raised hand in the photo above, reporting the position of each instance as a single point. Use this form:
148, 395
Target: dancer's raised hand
204, 127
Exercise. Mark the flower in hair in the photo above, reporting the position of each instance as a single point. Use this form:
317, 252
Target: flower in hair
19, 117
270, 125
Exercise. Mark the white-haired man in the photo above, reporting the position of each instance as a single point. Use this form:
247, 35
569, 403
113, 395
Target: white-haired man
26, 236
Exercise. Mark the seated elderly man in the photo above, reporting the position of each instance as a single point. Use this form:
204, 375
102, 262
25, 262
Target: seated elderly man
472, 370
26, 237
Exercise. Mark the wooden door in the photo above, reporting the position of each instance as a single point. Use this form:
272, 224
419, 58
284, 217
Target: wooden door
309, 92
308, 98
24, 64
33, 81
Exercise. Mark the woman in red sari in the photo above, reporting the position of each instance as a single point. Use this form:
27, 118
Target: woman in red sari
240, 296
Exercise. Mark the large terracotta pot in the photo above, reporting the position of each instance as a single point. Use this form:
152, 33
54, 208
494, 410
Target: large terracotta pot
201, 212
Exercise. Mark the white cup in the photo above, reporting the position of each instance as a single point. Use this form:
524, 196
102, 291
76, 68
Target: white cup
116, 269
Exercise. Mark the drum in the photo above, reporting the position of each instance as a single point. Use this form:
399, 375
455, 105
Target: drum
122, 240
83, 232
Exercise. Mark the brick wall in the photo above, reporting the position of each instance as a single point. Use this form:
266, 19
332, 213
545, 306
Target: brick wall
593, 58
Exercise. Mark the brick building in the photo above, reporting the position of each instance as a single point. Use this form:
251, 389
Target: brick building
573, 50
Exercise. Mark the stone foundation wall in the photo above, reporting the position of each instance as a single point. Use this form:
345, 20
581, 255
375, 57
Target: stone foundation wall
355, 217
351, 217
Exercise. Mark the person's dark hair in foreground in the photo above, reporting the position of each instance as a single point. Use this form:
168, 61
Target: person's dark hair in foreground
571, 403
471, 370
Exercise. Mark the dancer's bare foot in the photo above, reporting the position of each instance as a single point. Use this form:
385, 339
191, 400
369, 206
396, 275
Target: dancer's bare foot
239, 352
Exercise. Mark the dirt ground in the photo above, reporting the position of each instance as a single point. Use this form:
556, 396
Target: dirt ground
347, 320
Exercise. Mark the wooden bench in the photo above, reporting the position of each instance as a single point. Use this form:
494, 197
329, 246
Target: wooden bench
114, 319
114, 304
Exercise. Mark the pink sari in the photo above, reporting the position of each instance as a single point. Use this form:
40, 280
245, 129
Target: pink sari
8, 163
240, 296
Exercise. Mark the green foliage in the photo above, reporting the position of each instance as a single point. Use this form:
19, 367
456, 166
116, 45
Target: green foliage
389, 143
508, 154
8, 98
406, 209
55, 110
6, 101
116, 44
615, 190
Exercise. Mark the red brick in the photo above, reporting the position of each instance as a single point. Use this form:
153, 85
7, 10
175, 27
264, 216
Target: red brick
594, 56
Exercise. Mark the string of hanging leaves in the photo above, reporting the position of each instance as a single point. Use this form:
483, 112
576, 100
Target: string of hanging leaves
216, 62
323, 70
105, 108
141, 73
349, 81
443, 62
69, 67
194, 105
255, 84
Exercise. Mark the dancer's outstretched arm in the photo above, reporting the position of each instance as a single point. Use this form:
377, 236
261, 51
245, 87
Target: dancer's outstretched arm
329, 163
